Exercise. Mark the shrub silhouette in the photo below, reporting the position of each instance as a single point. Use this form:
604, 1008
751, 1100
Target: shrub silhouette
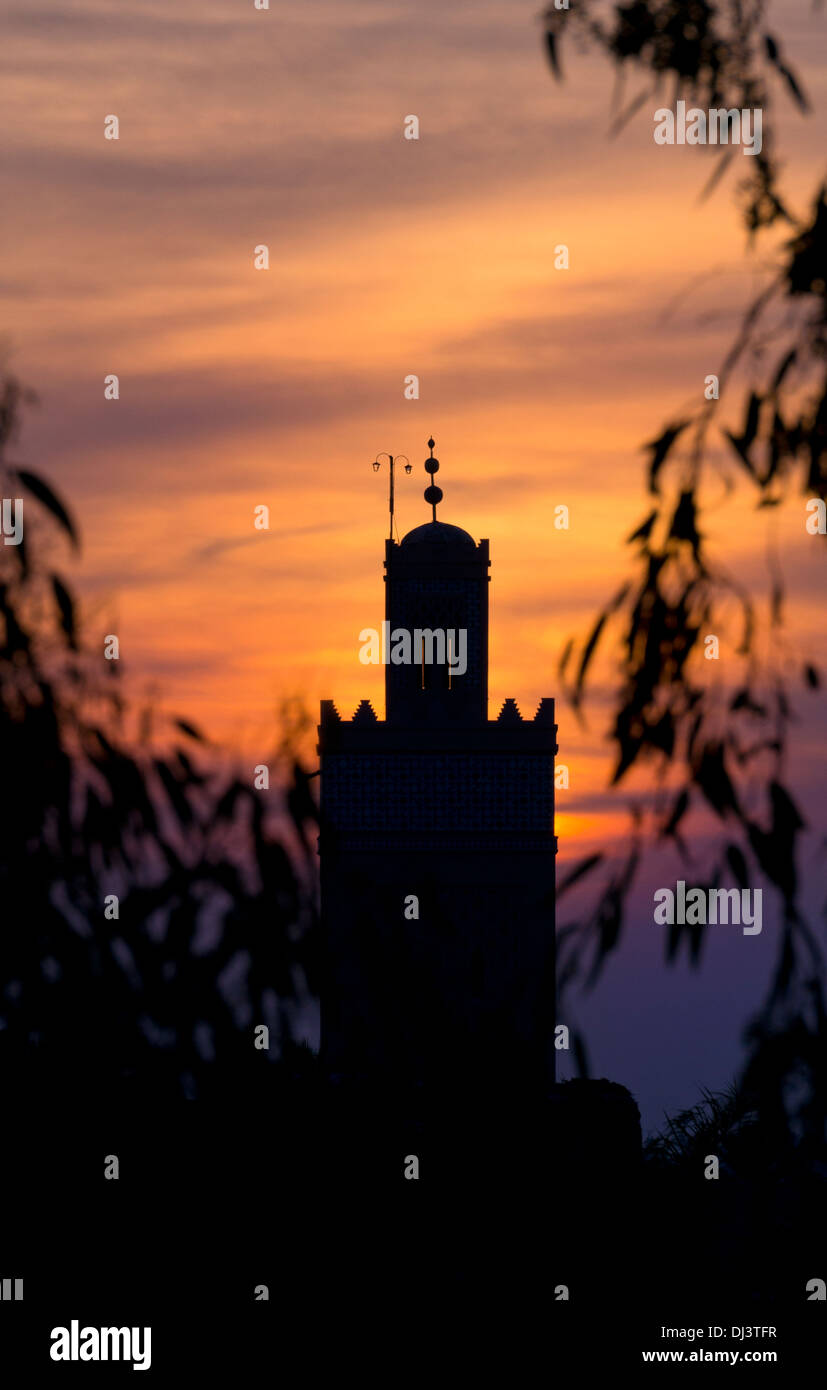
706, 754
216, 926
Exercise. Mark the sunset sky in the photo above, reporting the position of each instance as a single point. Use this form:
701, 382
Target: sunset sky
387, 257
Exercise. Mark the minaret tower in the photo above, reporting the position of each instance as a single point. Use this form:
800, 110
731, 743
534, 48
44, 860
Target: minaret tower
437, 844
437, 578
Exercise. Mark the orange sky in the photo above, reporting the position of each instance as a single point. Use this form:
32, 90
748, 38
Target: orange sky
387, 257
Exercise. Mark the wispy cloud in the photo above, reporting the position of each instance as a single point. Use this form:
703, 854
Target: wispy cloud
224, 545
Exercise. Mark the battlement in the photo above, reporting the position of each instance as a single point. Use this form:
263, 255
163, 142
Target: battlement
364, 732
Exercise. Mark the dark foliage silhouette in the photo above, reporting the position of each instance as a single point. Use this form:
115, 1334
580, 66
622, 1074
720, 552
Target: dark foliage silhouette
216, 927
725, 752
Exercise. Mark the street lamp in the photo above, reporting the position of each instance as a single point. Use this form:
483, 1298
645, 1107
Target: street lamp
392, 459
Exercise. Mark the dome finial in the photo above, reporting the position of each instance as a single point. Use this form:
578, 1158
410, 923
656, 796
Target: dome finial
433, 494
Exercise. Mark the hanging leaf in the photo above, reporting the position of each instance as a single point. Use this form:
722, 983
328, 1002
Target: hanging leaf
564, 659
786, 363
724, 161
551, 51
609, 922
191, 774
684, 527
173, 790
714, 780
742, 443
792, 83
225, 807
578, 871
776, 603
697, 936
786, 816
752, 418
615, 603
190, 730
643, 531
774, 56
676, 815
588, 653
625, 116
66, 610
738, 865
673, 941
50, 501
660, 448
745, 645
661, 734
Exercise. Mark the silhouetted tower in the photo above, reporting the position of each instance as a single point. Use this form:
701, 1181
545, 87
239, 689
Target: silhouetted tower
437, 844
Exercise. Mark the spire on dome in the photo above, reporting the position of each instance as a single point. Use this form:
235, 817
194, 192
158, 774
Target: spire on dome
433, 494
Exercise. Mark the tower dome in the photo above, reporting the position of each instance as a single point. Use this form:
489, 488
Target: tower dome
440, 535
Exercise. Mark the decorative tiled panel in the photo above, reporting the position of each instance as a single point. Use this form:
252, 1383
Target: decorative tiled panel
442, 603
459, 791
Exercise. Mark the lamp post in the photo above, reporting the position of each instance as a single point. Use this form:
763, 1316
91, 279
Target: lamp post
376, 465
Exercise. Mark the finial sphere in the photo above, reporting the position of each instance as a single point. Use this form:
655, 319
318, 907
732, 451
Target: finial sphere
432, 465
433, 495
430, 444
